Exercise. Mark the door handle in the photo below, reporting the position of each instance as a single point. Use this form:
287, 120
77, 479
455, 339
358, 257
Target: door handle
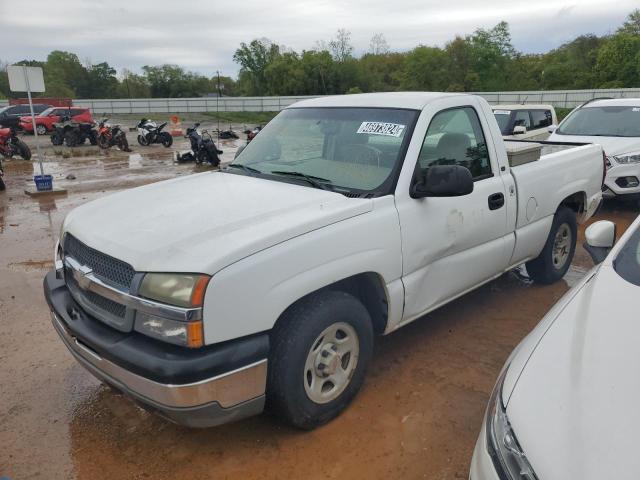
496, 201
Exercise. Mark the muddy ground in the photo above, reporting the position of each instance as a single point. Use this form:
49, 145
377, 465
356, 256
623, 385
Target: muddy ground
417, 416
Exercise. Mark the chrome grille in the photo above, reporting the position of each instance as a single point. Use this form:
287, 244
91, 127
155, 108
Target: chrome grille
104, 305
110, 269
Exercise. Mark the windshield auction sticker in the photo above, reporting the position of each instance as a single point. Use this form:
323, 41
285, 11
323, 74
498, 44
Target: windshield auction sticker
380, 128
502, 112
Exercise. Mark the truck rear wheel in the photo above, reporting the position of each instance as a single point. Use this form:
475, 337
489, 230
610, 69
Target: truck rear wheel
557, 254
321, 348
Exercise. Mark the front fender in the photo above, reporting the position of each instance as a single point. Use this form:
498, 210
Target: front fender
249, 296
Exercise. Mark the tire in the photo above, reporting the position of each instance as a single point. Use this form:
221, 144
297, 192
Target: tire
70, 139
93, 139
103, 142
3, 187
166, 140
56, 139
23, 150
557, 254
302, 339
41, 129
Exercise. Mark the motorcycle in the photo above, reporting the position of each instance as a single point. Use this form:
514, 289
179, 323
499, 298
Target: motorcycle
110, 135
227, 134
73, 134
149, 132
203, 148
251, 133
11, 145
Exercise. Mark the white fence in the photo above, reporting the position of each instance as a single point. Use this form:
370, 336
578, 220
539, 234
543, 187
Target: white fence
558, 98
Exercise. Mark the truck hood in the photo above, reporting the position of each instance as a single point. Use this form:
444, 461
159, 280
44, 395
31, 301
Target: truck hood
610, 145
203, 223
574, 407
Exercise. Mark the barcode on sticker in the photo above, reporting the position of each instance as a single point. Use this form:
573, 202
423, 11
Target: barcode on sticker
381, 128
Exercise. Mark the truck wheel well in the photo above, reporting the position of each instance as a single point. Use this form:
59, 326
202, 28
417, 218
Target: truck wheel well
367, 287
575, 202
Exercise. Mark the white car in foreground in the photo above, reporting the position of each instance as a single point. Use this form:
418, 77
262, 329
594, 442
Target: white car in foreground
614, 124
566, 403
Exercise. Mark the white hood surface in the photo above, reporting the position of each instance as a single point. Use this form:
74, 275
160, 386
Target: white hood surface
203, 223
575, 408
610, 145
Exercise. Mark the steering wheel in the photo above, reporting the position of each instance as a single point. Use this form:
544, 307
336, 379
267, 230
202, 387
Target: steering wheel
362, 153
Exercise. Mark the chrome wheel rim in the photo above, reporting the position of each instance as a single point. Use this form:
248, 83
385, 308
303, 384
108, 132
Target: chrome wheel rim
331, 362
562, 246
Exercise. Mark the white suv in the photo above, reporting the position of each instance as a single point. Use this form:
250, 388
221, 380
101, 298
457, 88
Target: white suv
614, 124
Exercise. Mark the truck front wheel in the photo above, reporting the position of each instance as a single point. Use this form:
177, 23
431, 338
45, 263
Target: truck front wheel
320, 350
557, 254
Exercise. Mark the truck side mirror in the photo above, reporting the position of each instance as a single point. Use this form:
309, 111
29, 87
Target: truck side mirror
442, 181
552, 128
519, 130
600, 238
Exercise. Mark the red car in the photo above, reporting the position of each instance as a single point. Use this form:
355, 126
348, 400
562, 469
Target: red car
45, 121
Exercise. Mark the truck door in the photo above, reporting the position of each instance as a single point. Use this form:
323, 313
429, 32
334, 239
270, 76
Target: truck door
452, 244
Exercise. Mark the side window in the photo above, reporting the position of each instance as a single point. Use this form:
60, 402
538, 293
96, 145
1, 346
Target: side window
522, 119
540, 118
455, 137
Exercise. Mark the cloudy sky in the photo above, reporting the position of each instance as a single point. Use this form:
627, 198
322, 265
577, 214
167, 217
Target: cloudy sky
202, 35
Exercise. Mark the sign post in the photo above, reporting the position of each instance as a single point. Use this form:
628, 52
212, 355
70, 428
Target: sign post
28, 79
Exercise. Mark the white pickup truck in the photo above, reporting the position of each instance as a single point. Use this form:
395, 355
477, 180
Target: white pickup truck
206, 297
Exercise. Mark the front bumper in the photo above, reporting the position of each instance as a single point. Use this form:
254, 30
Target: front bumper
195, 388
614, 183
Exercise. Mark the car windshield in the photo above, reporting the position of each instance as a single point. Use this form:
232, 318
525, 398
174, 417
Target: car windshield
502, 117
4, 109
345, 149
46, 112
603, 122
627, 263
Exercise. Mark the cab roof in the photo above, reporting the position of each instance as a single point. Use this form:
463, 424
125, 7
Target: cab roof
408, 100
520, 106
614, 102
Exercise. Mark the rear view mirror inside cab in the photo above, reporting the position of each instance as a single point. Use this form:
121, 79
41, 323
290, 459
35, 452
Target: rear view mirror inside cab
600, 239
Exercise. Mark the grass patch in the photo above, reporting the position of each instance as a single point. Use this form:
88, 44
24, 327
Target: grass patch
242, 117
562, 112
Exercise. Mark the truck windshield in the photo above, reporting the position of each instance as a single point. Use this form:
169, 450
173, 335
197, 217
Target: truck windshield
347, 149
503, 117
627, 263
612, 121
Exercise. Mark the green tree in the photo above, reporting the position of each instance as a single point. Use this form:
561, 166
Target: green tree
425, 69
254, 58
618, 62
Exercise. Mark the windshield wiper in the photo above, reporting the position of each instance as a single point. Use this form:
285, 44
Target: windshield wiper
316, 182
244, 168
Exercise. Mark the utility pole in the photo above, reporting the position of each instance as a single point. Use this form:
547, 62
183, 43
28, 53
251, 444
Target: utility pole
218, 104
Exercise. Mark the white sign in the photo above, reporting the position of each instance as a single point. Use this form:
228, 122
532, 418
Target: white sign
381, 128
24, 79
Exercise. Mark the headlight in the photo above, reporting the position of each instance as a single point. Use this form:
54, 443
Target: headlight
187, 334
627, 158
504, 449
182, 290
